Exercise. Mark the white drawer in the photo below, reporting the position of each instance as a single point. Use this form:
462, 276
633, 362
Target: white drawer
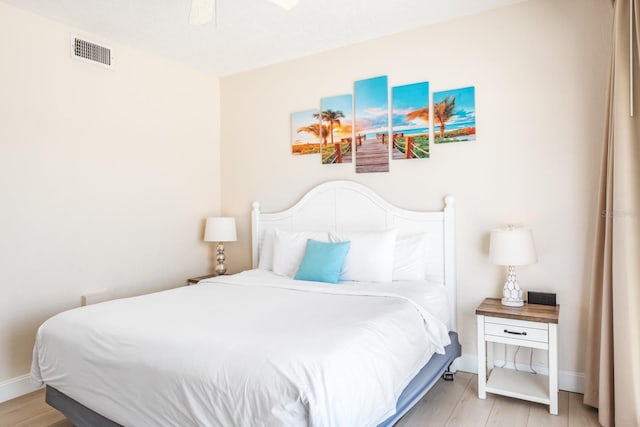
518, 332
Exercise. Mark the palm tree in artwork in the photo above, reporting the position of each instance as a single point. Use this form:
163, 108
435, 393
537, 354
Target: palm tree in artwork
420, 113
317, 130
331, 117
443, 111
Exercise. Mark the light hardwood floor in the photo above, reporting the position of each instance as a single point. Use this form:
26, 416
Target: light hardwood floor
447, 404
456, 404
30, 410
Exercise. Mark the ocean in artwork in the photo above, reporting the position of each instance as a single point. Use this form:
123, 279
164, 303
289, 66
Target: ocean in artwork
410, 121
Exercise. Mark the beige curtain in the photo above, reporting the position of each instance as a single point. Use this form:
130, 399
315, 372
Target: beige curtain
612, 371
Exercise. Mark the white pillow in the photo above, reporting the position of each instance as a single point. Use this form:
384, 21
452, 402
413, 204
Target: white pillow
265, 258
409, 258
370, 258
289, 247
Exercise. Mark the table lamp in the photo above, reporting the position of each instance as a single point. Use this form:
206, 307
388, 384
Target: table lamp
220, 229
512, 246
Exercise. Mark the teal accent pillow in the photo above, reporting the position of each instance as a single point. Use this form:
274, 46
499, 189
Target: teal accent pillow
322, 262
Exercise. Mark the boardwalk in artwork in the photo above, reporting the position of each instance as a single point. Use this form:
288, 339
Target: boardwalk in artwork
346, 158
397, 154
373, 156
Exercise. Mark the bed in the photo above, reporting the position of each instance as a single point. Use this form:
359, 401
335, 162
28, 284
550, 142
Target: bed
259, 348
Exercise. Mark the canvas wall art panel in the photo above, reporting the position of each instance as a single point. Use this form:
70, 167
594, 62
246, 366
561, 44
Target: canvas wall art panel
306, 132
371, 107
336, 118
454, 115
410, 121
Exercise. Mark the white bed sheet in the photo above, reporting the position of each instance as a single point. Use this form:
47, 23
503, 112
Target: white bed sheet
252, 349
431, 296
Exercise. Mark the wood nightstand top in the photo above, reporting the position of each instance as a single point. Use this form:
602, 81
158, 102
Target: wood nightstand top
530, 312
194, 280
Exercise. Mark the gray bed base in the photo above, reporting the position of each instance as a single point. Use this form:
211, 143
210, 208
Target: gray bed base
77, 413
426, 378
81, 416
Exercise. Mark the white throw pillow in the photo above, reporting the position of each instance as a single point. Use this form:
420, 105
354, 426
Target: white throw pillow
265, 258
289, 247
370, 258
409, 259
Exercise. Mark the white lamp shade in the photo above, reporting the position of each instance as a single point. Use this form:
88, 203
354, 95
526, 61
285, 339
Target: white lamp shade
220, 229
512, 246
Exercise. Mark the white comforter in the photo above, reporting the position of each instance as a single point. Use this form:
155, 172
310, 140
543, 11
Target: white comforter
252, 349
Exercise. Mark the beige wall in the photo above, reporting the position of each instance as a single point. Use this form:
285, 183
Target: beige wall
105, 176
540, 72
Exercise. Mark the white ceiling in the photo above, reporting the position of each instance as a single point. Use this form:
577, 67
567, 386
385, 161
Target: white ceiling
249, 34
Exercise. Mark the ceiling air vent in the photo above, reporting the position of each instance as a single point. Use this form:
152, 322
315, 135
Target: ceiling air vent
91, 52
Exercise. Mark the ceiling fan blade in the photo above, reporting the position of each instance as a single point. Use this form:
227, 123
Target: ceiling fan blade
285, 4
202, 11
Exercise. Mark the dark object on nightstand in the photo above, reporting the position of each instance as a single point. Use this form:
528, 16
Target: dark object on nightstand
542, 298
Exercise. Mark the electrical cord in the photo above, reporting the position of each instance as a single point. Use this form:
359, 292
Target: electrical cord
515, 365
533, 371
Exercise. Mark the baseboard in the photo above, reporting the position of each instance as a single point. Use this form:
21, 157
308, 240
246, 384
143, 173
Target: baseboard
567, 380
16, 387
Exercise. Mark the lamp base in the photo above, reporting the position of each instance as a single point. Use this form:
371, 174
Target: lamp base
511, 293
512, 303
221, 268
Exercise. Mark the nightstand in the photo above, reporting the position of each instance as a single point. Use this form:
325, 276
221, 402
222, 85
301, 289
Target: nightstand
534, 326
195, 280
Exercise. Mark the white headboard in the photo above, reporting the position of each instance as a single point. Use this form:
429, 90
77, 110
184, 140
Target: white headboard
349, 206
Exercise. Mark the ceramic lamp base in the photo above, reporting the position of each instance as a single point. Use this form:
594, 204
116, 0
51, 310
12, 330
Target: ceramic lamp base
511, 293
511, 303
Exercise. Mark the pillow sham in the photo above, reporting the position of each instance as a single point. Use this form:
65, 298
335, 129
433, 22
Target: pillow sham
370, 258
265, 258
409, 258
322, 262
289, 247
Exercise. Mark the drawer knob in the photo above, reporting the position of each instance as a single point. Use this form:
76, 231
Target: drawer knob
506, 331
